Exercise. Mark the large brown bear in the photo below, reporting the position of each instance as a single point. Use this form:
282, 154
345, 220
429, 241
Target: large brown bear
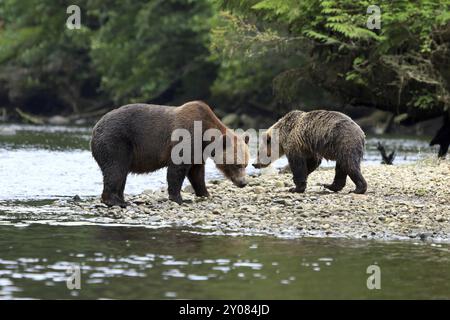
137, 138
307, 137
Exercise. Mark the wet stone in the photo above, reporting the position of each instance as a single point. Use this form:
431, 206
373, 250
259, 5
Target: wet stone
389, 210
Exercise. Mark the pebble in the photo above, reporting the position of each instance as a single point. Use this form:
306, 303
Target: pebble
258, 190
279, 184
390, 209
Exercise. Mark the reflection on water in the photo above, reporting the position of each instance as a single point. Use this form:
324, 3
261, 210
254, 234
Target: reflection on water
119, 262
43, 162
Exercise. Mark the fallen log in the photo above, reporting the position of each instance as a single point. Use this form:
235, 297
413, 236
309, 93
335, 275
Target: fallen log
26, 117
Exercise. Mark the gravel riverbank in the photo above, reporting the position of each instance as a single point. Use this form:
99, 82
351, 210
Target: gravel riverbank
402, 202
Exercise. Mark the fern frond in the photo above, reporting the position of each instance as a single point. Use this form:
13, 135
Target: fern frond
320, 37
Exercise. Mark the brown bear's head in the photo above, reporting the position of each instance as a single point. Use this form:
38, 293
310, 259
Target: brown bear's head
269, 148
234, 158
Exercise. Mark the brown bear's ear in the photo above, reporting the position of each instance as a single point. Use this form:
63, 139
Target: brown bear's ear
246, 138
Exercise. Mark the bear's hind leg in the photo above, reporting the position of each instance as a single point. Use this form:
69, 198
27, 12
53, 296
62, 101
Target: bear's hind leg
300, 172
114, 179
340, 178
175, 178
358, 179
196, 176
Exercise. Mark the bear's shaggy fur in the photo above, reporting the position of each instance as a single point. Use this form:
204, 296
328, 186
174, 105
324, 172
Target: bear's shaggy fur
307, 137
136, 138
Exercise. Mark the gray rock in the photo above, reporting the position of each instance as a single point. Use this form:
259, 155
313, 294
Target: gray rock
58, 120
258, 190
188, 189
286, 169
80, 122
279, 184
7, 132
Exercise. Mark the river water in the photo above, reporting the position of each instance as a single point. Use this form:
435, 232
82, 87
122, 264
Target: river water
42, 162
40, 165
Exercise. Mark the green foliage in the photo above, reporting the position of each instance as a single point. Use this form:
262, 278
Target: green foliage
243, 55
383, 68
126, 50
251, 59
145, 47
423, 100
238, 80
40, 58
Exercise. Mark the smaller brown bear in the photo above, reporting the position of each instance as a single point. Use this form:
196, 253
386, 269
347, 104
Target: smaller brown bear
307, 137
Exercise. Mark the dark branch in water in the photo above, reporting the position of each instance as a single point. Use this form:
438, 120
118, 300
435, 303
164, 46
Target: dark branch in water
387, 159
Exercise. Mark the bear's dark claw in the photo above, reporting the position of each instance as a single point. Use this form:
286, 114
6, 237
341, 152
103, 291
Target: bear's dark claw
332, 187
176, 199
296, 190
203, 195
359, 191
112, 203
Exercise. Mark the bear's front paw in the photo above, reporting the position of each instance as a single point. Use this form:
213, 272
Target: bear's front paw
359, 191
297, 190
203, 194
114, 201
332, 187
176, 199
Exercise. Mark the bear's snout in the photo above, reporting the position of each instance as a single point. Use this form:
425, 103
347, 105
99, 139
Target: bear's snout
258, 165
240, 182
